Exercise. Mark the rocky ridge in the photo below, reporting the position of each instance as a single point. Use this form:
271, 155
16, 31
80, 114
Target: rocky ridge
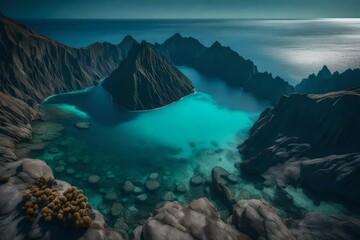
225, 63
325, 81
309, 139
145, 80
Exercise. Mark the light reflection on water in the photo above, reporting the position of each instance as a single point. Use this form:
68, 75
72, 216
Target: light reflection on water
292, 49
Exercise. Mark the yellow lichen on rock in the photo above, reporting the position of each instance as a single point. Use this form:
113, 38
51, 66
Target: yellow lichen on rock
71, 208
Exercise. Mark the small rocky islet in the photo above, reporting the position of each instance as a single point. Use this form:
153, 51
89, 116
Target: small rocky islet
233, 205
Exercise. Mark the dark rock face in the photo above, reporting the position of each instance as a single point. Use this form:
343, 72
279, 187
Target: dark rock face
334, 173
226, 64
15, 117
145, 80
323, 128
198, 220
34, 66
325, 81
320, 227
221, 185
265, 86
180, 50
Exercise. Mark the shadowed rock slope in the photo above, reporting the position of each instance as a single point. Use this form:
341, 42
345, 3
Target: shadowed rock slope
312, 139
325, 81
226, 64
32, 66
145, 80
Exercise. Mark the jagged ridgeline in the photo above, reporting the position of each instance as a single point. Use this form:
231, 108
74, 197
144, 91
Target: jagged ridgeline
145, 80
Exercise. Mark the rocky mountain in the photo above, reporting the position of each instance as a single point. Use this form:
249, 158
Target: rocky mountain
145, 80
325, 81
309, 139
32, 66
223, 62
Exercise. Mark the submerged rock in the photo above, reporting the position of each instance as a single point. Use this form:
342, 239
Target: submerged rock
70, 171
154, 176
137, 190
83, 125
128, 187
221, 185
196, 181
116, 209
54, 150
152, 185
59, 169
232, 178
169, 196
181, 188
112, 196
93, 179
141, 198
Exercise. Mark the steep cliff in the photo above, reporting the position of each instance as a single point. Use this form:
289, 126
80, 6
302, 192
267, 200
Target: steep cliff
145, 80
32, 66
312, 139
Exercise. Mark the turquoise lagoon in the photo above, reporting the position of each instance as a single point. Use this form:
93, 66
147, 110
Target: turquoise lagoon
179, 141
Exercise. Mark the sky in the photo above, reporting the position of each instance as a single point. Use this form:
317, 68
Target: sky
180, 8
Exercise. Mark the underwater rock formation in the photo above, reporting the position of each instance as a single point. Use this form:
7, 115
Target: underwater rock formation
225, 63
325, 81
311, 139
145, 80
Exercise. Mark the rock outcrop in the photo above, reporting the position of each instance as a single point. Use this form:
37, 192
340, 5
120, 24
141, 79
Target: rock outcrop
145, 80
311, 139
223, 62
198, 220
325, 81
14, 225
258, 219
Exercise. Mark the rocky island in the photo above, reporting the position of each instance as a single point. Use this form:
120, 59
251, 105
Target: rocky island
145, 80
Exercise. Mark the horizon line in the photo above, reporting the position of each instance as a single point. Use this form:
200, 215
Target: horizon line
199, 18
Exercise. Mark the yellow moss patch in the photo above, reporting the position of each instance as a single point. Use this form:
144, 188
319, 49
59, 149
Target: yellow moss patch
71, 208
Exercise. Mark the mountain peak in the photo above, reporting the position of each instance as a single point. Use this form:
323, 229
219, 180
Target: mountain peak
176, 36
145, 80
216, 44
325, 72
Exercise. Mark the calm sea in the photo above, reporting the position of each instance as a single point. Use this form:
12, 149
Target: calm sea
292, 49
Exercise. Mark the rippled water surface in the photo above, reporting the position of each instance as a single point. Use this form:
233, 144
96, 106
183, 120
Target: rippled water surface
292, 49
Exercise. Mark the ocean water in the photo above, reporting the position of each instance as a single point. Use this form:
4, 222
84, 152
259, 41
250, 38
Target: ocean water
291, 49
185, 139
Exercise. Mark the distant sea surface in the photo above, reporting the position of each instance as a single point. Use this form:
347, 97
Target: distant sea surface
291, 49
